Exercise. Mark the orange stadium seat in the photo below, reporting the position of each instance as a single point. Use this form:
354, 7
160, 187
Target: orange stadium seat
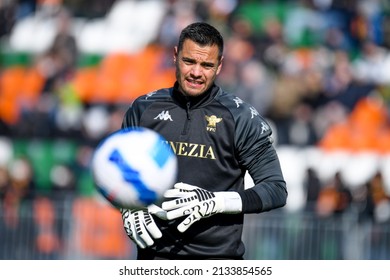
122, 77
84, 83
11, 80
32, 85
367, 121
363, 139
110, 76
337, 137
9, 111
365, 129
47, 240
369, 113
18, 85
146, 73
98, 229
383, 141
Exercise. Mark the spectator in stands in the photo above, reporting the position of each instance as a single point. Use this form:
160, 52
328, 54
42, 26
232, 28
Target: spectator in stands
7, 17
312, 186
373, 65
379, 199
60, 60
21, 187
179, 14
333, 198
4, 181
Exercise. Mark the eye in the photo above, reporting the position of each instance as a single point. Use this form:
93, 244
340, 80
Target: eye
188, 61
208, 66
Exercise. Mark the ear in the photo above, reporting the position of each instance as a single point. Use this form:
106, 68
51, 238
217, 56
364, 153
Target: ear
219, 66
175, 53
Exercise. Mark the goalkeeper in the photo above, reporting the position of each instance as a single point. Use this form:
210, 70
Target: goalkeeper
217, 137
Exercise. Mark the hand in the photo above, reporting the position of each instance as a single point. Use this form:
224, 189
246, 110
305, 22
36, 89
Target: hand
140, 225
197, 203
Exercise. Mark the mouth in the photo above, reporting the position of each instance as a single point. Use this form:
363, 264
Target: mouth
194, 83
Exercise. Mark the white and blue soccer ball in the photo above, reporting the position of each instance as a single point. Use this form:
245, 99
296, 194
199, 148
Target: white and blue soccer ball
133, 168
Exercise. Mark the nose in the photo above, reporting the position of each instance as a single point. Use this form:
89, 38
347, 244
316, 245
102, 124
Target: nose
196, 70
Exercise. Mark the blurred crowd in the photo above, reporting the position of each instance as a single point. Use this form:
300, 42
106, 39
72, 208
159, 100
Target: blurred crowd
318, 70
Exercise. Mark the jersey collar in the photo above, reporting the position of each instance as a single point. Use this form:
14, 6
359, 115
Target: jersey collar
195, 102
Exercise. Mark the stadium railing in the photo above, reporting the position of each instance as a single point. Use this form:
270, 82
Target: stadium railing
88, 228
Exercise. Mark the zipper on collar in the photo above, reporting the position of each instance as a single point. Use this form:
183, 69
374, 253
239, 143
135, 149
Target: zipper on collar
188, 105
188, 120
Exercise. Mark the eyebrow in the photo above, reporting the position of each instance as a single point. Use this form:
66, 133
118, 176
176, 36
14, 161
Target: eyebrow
207, 64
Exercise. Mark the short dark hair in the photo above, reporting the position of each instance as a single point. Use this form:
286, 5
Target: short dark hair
203, 34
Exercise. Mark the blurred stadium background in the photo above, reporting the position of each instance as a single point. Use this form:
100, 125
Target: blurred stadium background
318, 70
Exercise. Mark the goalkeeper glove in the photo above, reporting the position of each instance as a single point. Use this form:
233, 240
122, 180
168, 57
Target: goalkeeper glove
140, 225
197, 203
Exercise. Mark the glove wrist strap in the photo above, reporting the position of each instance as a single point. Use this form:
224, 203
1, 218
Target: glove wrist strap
232, 202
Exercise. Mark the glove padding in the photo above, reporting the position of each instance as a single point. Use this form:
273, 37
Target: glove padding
198, 203
140, 225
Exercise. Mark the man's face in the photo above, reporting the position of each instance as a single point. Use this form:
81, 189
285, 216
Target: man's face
196, 67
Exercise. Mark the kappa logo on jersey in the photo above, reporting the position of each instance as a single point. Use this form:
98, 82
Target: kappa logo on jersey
238, 101
254, 113
212, 122
164, 116
264, 127
150, 94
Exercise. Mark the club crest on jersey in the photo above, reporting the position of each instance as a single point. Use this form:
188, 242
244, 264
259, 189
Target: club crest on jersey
212, 122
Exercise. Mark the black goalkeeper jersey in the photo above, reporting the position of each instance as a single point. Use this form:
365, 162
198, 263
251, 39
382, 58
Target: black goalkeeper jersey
216, 138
